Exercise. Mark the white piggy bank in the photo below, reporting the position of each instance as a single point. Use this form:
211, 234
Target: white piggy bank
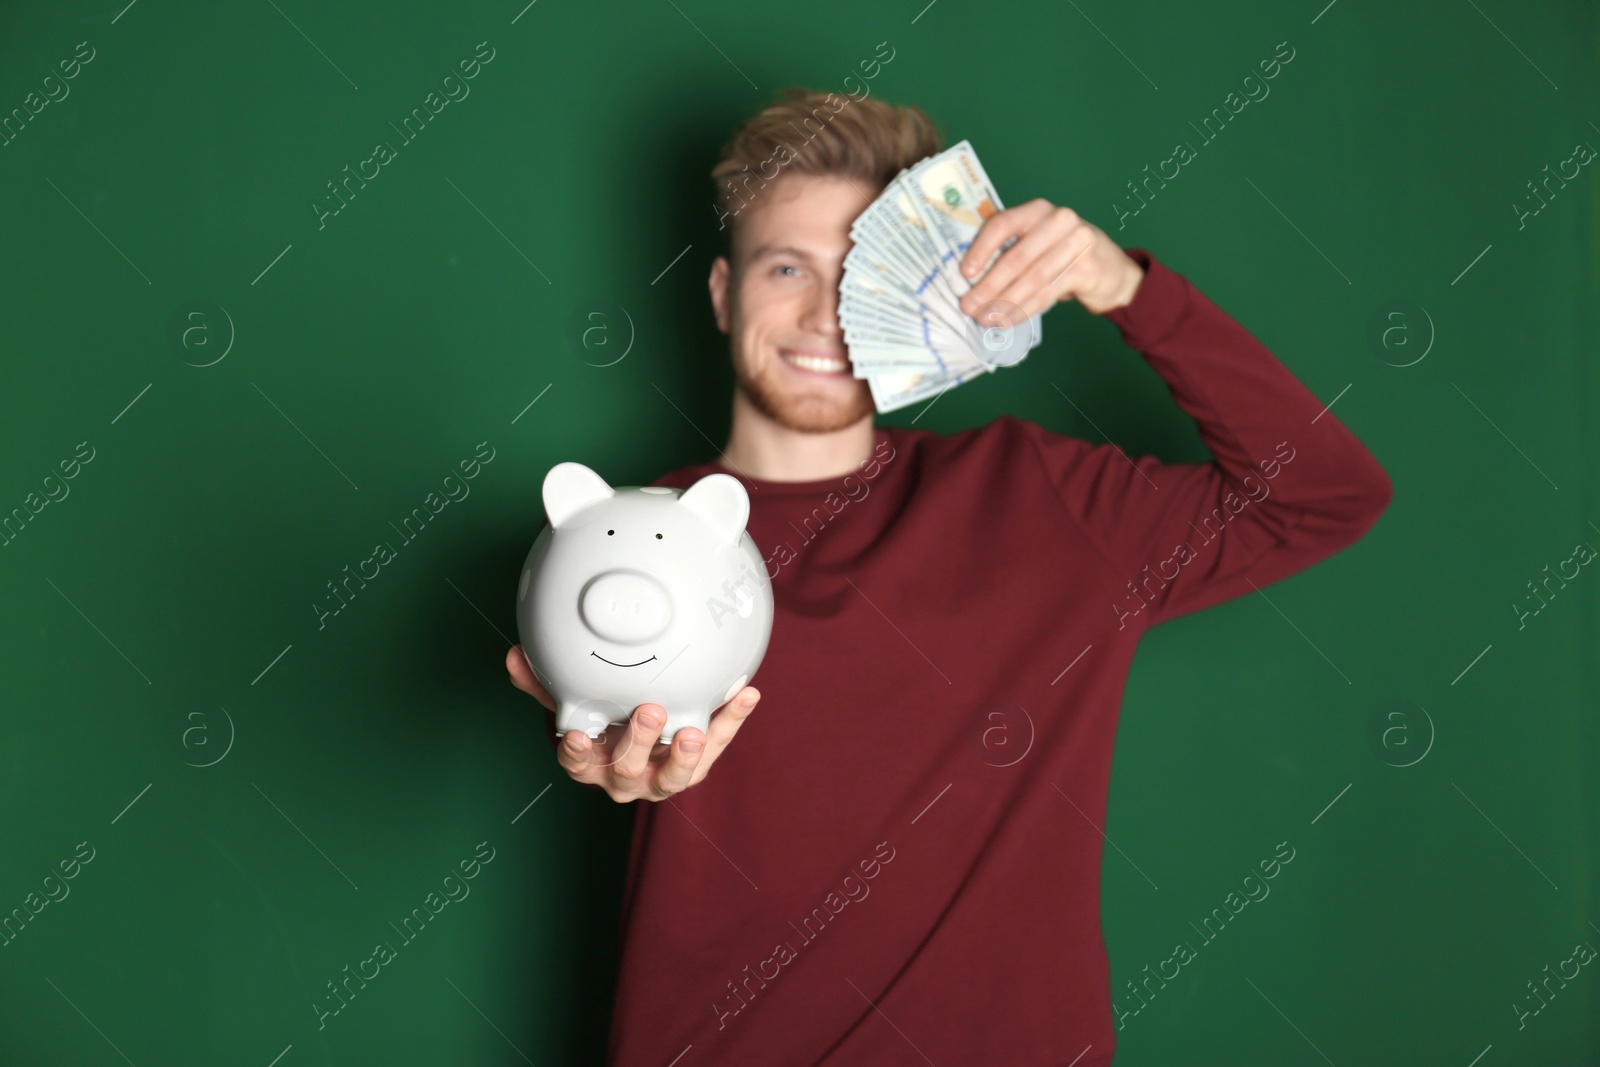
639, 595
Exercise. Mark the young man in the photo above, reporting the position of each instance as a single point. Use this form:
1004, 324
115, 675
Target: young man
898, 861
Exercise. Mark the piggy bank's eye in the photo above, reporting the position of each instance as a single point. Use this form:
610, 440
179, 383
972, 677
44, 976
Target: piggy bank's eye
610, 532
658, 537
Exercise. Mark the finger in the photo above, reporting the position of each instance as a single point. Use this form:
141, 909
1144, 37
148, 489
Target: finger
995, 231
1020, 257
1050, 277
602, 752
523, 678
677, 773
590, 759
578, 756
517, 667
726, 722
632, 763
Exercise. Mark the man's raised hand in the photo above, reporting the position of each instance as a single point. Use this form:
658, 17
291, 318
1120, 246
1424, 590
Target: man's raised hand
1058, 256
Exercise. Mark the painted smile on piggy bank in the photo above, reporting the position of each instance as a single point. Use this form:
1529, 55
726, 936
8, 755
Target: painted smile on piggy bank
602, 659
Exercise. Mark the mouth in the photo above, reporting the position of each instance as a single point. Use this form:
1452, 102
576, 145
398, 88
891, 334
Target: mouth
602, 659
825, 362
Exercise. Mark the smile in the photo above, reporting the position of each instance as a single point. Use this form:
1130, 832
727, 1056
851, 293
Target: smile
602, 659
818, 364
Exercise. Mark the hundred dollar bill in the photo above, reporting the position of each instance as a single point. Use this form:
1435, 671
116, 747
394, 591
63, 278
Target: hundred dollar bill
954, 196
899, 299
891, 391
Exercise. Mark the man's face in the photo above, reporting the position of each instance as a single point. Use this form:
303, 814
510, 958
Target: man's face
778, 302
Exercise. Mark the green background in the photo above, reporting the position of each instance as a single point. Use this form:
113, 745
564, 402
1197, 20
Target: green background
163, 608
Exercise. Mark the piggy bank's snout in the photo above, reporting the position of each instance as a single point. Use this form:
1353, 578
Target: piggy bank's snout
626, 607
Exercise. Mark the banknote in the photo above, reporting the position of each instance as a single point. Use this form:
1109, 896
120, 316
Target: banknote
899, 297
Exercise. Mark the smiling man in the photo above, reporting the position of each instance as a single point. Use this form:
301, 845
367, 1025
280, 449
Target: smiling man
898, 860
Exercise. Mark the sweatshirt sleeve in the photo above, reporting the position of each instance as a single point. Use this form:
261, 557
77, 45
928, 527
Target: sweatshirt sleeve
1288, 484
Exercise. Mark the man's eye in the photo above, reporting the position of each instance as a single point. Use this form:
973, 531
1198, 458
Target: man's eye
788, 267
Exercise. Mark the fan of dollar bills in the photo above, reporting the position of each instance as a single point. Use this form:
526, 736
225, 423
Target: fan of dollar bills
898, 298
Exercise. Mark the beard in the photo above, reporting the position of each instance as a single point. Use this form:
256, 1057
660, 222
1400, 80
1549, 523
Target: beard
807, 412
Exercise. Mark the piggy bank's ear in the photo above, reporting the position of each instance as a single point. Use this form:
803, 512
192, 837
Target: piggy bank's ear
720, 500
569, 488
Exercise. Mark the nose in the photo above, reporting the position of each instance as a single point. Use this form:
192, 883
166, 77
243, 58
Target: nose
821, 314
626, 607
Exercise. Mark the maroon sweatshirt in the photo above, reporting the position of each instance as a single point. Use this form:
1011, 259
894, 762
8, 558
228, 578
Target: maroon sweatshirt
897, 860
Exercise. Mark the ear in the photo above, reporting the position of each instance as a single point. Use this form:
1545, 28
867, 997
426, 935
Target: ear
718, 284
569, 488
721, 501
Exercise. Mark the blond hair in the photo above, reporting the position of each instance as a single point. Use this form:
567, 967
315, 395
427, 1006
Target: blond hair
810, 132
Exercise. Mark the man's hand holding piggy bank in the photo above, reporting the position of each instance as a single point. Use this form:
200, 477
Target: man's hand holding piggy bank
650, 598
629, 765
